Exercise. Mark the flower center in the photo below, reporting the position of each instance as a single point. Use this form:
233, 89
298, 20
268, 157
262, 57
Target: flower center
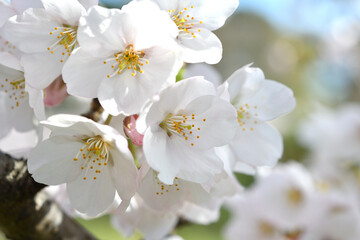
94, 155
65, 38
184, 21
184, 126
266, 228
294, 235
129, 59
162, 188
295, 196
5, 46
244, 116
15, 90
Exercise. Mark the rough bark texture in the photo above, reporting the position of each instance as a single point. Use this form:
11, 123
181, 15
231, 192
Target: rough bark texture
26, 212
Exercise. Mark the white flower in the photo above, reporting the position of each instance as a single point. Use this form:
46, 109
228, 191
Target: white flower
47, 36
153, 224
248, 223
123, 60
22, 103
195, 21
333, 215
287, 205
184, 126
333, 139
288, 191
16, 7
8, 10
92, 159
256, 101
18, 144
163, 197
275, 208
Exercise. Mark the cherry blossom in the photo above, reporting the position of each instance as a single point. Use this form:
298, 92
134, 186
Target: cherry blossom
183, 127
287, 204
93, 160
256, 101
125, 61
47, 36
22, 103
8, 10
196, 20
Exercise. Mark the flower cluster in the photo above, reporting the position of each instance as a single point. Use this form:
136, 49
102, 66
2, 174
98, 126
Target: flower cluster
167, 149
296, 207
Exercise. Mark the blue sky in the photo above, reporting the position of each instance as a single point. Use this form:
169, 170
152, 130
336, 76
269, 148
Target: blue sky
315, 16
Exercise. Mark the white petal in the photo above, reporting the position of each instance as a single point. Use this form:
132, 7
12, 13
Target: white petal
123, 170
148, 36
88, 3
178, 96
71, 124
273, 100
41, 69
122, 94
98, 31
36, 102
156, 146
127, 94
52, 161
92, 197
5, 12
198, 214
166, 199
17, 111
30, 32
10, 61
18, 144
246, 145
170, 4
218, 127
212, 13
245, 168
21, 5
83, 74
170, 157
64, 11
156, 226
244, 83
22, 117
3, 121
198, 166
164, 65
206, 47
153, 225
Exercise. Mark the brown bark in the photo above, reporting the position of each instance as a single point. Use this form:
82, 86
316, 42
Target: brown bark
26, 212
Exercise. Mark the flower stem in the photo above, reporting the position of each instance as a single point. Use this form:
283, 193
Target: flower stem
108, 119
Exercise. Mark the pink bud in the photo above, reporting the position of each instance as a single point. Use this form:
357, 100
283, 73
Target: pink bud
131, 132
56, 93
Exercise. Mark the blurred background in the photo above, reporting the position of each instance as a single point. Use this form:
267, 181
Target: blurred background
312, 46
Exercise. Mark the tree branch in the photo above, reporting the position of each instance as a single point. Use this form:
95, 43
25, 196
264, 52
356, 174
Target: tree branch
26, 212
